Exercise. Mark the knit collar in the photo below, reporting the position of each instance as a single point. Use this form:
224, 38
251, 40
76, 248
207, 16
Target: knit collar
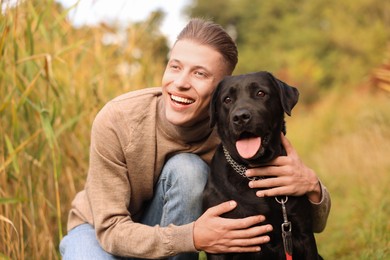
186, 135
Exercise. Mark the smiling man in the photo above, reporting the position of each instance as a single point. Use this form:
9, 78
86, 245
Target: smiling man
190, 77
149, 156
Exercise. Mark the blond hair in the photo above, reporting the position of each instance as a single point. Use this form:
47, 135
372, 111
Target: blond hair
206, 32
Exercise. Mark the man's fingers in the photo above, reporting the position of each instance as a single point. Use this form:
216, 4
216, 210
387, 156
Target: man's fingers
287, 146
248, 240
270, 183
243, 249
234, 249
233, 224
216, 234
279, 191
239, 228
242, 223
250, 244
222, 208
253, 232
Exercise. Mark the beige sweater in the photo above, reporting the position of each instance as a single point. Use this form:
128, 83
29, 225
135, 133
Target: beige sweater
130, 142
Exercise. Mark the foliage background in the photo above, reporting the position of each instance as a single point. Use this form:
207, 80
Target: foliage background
54, 78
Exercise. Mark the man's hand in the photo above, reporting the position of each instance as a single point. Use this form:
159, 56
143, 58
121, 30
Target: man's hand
290, 177
215, 234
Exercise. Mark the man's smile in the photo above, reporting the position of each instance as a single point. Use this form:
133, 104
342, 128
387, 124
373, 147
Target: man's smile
181, 100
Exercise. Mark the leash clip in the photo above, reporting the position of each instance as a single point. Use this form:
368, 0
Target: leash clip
287, 238
286, 229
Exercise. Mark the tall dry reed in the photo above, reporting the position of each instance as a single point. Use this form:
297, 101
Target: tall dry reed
53, 80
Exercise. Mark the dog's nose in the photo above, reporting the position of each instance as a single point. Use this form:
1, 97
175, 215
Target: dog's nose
242, 117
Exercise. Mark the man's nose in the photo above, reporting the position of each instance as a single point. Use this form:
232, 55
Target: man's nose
182, 80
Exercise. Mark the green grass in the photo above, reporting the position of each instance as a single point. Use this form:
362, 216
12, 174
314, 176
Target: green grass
54, 79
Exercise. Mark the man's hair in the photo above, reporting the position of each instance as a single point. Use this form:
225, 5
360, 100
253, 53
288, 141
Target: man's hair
208, 33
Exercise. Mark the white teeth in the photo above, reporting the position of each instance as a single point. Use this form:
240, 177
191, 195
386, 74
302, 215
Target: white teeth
182, 100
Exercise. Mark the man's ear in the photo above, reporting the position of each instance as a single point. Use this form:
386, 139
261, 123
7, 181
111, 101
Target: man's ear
288, 95
213, 105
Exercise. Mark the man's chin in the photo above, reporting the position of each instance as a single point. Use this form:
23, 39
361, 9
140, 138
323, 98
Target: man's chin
177, 119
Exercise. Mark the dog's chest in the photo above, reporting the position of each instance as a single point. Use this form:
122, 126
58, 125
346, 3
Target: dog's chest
226, 184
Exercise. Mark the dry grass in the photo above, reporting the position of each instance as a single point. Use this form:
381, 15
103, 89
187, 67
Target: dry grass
347, 140
53, 80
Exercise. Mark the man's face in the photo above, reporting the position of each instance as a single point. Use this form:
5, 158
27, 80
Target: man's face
192, 73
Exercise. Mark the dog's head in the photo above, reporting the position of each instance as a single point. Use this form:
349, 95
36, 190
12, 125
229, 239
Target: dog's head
249, 112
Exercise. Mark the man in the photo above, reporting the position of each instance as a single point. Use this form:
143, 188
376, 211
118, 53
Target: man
149, 158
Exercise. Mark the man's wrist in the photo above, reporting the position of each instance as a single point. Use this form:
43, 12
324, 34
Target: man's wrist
315, 194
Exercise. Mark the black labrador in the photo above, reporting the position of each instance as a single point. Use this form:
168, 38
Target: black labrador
249, 113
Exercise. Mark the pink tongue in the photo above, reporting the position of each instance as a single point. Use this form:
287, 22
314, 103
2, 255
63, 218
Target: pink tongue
247, 148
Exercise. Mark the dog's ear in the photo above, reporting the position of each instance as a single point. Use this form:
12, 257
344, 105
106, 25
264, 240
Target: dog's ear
213, 105
288, 95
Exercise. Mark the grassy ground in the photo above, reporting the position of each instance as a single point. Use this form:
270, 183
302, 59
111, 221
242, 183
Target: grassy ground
53, 80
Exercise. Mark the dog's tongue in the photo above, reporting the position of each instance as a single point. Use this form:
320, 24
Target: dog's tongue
248, 147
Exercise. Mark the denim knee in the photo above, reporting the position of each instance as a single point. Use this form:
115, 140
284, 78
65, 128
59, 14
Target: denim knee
178, 193
188, 170
81, 243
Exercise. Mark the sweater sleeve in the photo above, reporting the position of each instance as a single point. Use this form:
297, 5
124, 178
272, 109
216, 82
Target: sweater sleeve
321, 210
109, 192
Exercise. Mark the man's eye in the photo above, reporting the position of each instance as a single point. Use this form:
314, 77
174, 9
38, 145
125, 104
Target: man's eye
200, 74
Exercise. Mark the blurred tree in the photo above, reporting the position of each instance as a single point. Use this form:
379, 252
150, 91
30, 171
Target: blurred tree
150, 48
315, 45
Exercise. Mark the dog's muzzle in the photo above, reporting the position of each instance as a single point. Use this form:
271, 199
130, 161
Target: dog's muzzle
241, 118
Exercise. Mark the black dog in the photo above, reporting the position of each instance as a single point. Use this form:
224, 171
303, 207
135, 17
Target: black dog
249, 113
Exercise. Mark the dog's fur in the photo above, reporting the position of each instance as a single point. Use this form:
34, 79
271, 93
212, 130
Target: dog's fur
254, 105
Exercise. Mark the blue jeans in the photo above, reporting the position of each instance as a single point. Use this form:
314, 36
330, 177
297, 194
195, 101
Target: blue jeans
177, 200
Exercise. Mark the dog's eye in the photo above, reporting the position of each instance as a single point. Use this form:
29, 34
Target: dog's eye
260, 93
227, 100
